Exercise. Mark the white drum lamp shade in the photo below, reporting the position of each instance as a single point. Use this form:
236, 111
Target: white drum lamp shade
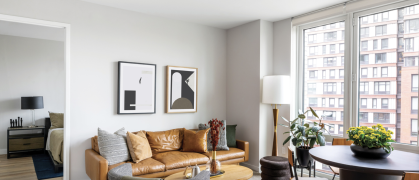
276, 89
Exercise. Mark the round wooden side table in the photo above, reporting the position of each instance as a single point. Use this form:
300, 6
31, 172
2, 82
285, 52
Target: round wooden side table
232, 172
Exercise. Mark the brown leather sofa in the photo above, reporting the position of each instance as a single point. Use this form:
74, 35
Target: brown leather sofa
161, 164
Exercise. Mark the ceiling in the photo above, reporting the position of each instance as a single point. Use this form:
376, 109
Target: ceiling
223, 14
31, 31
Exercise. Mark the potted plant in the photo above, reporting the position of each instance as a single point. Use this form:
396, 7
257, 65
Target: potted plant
303, 136
372, 142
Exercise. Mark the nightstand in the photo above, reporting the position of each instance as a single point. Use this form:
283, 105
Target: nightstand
25, 142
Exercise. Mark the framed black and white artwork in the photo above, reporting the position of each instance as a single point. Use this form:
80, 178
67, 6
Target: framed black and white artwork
181, 89
136, 88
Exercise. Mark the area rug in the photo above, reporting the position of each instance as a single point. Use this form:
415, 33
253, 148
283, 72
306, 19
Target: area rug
44, 167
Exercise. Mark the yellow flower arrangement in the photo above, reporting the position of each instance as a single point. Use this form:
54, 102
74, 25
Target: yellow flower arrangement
374, 137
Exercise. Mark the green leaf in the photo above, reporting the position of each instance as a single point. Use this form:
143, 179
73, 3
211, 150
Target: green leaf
302, 116
293, 126
321, 140
314, 113
286, 120
312, 142
315, 129
307, 125
286, 132
286, 140
294, 141
302, 130
294, 121
283, 125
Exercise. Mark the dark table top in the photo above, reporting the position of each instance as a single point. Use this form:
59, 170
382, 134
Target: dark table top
342, 157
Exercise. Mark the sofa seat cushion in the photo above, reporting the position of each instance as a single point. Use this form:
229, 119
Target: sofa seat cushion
233, 153
146, 166
178, 159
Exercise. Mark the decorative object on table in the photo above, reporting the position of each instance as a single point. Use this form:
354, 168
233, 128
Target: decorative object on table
372, 142
231, 135
136, 88
16, 123
195, 170
32, 103
275, 167
20, 143
222, 141
181, 89
303, 137
231, 172
276, 91
215, 127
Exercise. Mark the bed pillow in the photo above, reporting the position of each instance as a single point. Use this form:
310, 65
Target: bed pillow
231, 135
57, 120
113, 147
195, 141
138, 146
222, 142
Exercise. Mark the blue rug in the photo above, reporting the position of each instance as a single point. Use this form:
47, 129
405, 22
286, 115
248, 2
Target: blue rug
44, 167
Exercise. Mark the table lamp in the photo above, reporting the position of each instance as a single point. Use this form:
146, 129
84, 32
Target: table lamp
32, 103
276, 90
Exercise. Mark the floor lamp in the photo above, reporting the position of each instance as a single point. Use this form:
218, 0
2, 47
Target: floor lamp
276, 90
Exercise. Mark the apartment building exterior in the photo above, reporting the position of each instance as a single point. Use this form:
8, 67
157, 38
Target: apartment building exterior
388, 72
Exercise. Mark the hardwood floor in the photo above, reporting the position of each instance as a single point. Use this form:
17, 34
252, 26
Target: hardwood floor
18, 168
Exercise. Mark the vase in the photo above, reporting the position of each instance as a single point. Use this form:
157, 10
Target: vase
373, 153
303, 156
215, 165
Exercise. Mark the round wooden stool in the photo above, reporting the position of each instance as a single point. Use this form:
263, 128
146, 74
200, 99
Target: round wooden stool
275, 168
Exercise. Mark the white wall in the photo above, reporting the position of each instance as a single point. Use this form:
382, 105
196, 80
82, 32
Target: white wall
100, 37
29, 67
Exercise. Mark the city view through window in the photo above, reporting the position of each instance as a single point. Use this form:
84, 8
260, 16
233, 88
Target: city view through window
388, 73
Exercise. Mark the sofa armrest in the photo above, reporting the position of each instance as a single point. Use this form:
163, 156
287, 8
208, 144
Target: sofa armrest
243, 145
96, 165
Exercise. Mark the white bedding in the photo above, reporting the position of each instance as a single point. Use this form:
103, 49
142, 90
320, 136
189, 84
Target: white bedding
49, 133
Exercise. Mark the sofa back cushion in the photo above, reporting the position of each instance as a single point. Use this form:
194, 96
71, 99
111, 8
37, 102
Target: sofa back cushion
195, 141
163, 141
138, 146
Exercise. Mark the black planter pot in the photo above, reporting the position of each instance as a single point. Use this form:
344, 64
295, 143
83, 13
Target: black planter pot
303, 156
373, 153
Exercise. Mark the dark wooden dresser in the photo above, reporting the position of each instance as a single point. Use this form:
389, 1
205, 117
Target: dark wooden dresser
20, 142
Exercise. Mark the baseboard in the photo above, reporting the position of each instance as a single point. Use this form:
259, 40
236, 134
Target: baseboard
3, 151
252, 167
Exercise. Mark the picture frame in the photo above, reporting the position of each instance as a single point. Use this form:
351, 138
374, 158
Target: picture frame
181, 89
136, 88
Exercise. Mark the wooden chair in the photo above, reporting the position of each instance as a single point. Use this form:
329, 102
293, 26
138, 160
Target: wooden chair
292, 162
411, 176
339, 141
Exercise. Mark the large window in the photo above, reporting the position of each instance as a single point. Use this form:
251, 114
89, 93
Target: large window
409, 44
382, 87
380, 30
384, 103
380, 58
384, 43
382, 118
412, 26
363, 87
329, 88
313, 74
330, 36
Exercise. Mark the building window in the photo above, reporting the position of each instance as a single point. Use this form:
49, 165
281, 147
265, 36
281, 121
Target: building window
384, 72
365, 32
341, 73
414, 105
401, 28
312, 50
340, 102
414, 127
329, 115
313, 74
399, 87
329, 61
364, 59
363, 117
312, 38
340, 129
380, 58
311, 88
331, 102
412, 26
342, 61
323, 102
329, 88
341, 48
410, 61
384, 103
330, 36
364, 72
312, 102
382, 87
374, 72
332, 49
374, 103
311, 62
375, 44
410, 10
364, 46
324, 74
380, 30
400, 56
363, 87
375, 17
381, 117
332, 74
414, 83
363, 103
384, 43
342, 87
409, 44
324, 49
401, 13
385, 16
414, 142
342, 116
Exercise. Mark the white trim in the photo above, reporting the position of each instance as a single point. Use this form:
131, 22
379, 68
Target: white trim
3, 151
17, 19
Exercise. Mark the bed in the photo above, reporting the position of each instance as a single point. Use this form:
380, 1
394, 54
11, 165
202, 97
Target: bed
54, 144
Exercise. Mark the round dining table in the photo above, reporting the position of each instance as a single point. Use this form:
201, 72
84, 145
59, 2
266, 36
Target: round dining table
360, 168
